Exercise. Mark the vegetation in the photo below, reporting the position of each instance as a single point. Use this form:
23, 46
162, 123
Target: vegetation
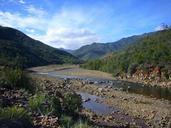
153, 49
19, 50
35, 102
66, 121
16, 78
57, 107
14, 113
98, 50
82, 125
72, 103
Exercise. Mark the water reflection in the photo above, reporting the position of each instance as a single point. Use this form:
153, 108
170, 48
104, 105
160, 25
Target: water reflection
152, 91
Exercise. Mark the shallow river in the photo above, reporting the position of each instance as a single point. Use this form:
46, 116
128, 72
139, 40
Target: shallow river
152, 91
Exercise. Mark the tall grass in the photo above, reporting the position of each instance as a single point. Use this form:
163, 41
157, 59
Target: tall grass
81, 124
35, 102
14, 113
17, 78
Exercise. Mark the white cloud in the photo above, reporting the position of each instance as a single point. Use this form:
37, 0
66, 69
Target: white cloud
19, 21
158, 28
68, 38
64, 29
21, 1
35, 11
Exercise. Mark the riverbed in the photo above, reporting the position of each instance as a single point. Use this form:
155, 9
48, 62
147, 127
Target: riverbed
134, 103
151, 91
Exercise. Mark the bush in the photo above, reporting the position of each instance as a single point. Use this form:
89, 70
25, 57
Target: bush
35, 102
81, 125
45, 105
132, 69
66, 121
56, 106
72, 103
14, 113
16, 78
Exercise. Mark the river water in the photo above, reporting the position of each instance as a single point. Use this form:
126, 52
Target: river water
152, 91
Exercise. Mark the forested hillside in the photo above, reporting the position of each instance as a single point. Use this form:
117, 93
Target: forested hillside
17, 49
149, 53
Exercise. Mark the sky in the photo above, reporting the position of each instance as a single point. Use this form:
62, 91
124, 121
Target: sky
71, 24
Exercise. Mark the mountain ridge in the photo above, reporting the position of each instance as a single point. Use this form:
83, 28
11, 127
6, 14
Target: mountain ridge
16, 48
98, 50
150, 53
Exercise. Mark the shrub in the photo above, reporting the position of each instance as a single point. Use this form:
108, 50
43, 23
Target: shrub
66, 121
132, 69
72, 102
81, 125
17, 78
56, 106
35, 102
45, 105
14, 113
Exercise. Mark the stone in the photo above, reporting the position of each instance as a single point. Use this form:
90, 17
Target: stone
100, 90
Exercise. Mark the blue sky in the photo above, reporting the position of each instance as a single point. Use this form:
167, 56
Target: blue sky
73, 23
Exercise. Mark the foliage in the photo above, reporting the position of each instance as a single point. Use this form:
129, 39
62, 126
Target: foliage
16, 78
35, 102
98, 50
14, 113
17, 49
81, 125
152, 49
45, 105
56, 105
66, 121
72, 102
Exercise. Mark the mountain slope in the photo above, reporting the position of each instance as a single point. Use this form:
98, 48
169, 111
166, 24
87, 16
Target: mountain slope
150, 51
16, 48
98, 50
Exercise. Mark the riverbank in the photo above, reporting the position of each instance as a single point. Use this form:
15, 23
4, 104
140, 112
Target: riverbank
154, 112
75, 70
147, 82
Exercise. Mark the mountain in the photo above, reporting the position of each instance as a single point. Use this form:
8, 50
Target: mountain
98, 50
67, 50
152, 50
16, 48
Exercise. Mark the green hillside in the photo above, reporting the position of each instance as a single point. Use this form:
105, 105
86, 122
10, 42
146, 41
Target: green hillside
154, 50
98, 50
17, 49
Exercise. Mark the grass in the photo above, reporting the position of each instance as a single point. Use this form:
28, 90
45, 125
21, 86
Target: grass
72, 103
66, 121
14, 113
35, 102
81, 124
16, 78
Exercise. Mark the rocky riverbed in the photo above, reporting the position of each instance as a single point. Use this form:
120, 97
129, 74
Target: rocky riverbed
134, 110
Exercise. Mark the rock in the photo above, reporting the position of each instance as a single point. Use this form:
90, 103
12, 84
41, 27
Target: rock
86, 100
112, 96
100, 90
96, 82
90, 82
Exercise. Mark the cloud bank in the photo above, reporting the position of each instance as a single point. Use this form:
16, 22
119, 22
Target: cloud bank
61, 30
